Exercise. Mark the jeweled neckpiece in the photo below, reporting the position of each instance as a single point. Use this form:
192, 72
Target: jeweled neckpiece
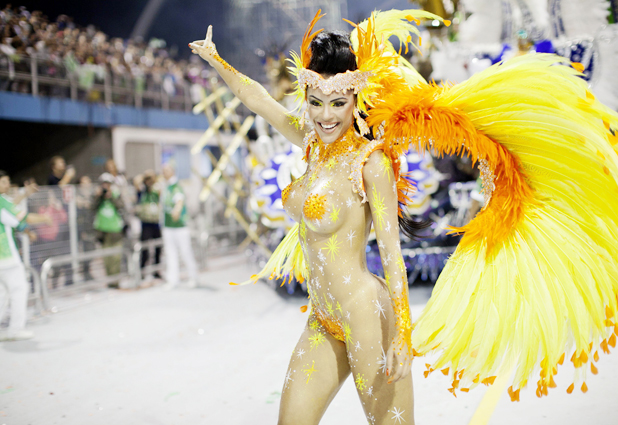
331, 153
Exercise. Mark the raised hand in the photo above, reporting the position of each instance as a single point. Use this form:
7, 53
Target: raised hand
205, 48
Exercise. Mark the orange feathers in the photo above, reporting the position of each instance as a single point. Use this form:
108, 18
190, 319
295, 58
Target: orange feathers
417, 114
305, 50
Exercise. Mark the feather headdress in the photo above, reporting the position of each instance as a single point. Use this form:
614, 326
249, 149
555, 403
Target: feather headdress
380, 66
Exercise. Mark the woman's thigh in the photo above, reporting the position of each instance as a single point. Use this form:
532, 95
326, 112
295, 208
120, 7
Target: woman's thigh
317, 371
372, 332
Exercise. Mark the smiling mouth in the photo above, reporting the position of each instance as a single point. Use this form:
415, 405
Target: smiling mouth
328, 127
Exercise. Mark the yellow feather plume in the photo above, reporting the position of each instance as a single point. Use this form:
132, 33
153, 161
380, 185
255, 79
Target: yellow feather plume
287, 261
535, 276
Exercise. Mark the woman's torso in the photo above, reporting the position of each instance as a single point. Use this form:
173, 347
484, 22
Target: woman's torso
334, 227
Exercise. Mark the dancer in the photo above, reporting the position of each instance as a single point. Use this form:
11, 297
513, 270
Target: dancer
359, 324
534, 266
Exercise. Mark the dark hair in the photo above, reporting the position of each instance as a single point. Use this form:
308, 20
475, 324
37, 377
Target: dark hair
331, 53
412, 227
3, 174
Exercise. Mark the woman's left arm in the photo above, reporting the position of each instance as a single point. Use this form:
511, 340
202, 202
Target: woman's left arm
381, 190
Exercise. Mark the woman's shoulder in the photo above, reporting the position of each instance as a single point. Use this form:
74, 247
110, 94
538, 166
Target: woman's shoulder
365, 164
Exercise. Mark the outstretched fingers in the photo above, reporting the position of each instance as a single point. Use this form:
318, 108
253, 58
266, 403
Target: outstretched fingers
208, 38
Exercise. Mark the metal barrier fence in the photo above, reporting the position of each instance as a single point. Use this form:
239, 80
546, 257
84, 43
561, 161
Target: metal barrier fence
68, 256
43, 75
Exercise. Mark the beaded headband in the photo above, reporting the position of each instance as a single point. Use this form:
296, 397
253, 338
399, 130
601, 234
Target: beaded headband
349, 80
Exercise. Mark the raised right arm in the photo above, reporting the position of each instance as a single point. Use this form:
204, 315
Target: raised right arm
252, 94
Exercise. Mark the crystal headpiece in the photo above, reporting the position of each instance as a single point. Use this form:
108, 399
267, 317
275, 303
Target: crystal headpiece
349, 80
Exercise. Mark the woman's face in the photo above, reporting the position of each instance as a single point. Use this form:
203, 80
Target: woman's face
331, 114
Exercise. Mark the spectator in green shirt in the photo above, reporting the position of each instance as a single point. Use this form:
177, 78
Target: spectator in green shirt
176, 236
12, 272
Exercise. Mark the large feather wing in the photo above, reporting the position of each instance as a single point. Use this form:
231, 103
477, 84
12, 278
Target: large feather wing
535, 276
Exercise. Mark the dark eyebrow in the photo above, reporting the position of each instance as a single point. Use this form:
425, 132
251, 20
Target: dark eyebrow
333, 100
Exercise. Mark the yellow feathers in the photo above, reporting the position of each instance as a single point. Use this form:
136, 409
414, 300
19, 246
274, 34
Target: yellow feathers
374, 52
287, 261
536, 268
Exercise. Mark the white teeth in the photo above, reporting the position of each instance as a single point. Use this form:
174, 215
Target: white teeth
328, 126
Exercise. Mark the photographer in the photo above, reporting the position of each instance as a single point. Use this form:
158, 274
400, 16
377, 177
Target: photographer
108, 221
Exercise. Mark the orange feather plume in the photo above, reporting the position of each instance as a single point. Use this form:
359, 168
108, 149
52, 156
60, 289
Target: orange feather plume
417, 114
305, 50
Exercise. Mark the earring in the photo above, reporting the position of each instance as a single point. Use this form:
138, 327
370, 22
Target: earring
362, 124
302, 119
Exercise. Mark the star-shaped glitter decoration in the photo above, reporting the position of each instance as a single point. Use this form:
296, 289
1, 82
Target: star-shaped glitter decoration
351, 236
401, 264
314, 325
361, 382
309, 371
349, 202
316, 340
327, 184
370, 417
300, 353
331, 163
369, 391
321, 269
387, 259
321, 257
379, 208
379, 307
397, 415
350, 357
388, 227
334, 215
357, 346
347, 315
387, 278
288, 378
381, 244
332, 247
398, 286
382, 361
386, 165
338, 308
347, 279
347, 333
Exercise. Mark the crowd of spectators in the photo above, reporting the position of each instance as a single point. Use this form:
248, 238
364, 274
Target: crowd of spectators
62, 47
